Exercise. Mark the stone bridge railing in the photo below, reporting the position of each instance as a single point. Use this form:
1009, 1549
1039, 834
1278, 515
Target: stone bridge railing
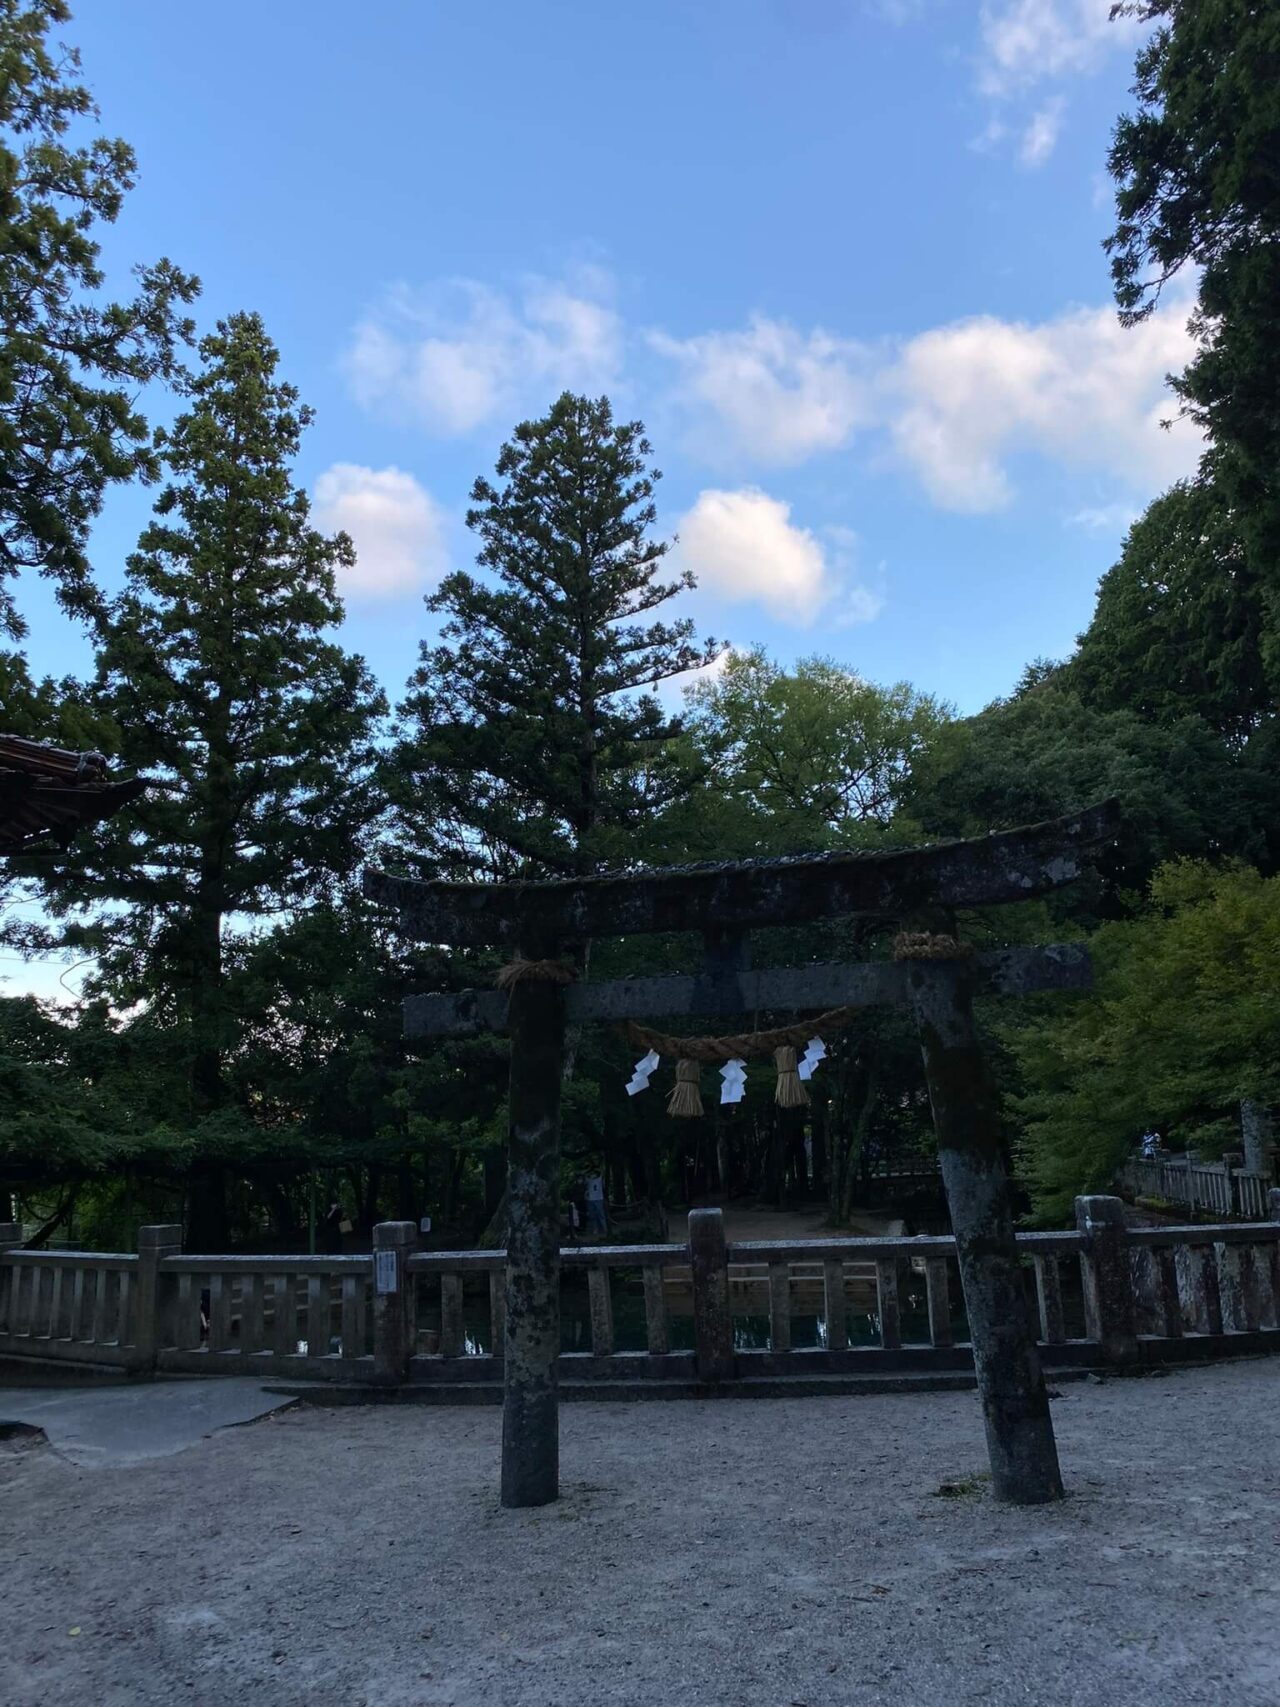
1215, 1187
700, 1313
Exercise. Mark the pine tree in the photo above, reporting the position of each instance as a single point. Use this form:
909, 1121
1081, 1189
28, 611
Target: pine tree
71, 366
532, 741
216, 670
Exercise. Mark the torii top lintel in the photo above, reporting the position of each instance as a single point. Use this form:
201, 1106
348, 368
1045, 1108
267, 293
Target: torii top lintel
1014, 865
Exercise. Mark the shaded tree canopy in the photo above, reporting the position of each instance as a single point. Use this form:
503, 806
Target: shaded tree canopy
1177, 630
215, 669
1183, 1025
1197, 170
71, 365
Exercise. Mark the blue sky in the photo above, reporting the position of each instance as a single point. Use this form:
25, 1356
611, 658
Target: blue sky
842, 256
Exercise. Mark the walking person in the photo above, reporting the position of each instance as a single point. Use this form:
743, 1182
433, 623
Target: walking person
597, 1220
330, 1240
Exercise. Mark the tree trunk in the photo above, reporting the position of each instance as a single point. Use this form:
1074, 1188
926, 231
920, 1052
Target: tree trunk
207, 1221
857, 1138
818, 1125
372, 1192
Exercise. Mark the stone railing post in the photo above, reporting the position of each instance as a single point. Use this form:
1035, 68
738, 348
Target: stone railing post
10, 1240
1273, 1206
1109, 1305
712, 1321
154, 1244
394, 1321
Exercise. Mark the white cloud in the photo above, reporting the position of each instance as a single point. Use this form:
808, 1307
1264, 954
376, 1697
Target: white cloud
1081, 389
744, 546
958, 403
1025, 42
1041, 136
397, 528
455, 356
1105, 518
771, 392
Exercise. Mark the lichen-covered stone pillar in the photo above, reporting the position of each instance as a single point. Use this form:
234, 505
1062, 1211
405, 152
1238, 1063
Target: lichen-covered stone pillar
712, 1320
1258, 1136
1110, 1308
394, 1298
154, 1244
1015, 1403
530, 1407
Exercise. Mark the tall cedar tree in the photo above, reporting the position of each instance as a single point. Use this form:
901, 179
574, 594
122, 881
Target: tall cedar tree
531, 740
70, 365
1197, 170
215, 667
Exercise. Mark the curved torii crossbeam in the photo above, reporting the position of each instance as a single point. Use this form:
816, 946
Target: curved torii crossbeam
724, 902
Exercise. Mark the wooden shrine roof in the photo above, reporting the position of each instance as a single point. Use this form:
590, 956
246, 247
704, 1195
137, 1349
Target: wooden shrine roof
47, 794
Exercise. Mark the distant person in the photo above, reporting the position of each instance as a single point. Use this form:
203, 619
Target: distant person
330, 1240
1150, 1146
597, 1221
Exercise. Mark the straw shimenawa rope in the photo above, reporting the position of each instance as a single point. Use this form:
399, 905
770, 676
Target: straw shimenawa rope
924, 945
790, 1093
520, 971
685, 1101
742, 1047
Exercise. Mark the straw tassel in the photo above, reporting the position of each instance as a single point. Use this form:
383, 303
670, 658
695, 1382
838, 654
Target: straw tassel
790, 1092
685, 1101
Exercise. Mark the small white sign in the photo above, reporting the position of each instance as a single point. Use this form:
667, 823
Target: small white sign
424, 1226
384, 1272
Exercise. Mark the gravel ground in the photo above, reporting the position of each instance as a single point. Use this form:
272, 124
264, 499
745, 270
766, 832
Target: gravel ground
740, 1554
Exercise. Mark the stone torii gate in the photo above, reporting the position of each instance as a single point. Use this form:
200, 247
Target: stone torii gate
542, 921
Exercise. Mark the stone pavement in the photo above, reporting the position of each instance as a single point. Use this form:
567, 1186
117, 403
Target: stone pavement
129, 1423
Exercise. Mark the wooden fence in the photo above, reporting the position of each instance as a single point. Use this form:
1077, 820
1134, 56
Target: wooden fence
1215, 1187
702, 1312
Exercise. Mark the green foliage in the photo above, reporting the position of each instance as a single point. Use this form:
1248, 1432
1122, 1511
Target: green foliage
76, 1098
1197, 186
215, 669
71, 365
1181, 790
1178, 627
1182, 1025
810, 758
531, 739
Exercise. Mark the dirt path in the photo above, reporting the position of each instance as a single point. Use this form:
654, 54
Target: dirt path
737, 1554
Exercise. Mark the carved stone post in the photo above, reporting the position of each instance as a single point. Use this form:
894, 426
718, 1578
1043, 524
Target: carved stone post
530, 1404
393, 1301
1015, 1404
154, 1243
1109, 1304
712, 1322
10, 1240
1258, 1136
